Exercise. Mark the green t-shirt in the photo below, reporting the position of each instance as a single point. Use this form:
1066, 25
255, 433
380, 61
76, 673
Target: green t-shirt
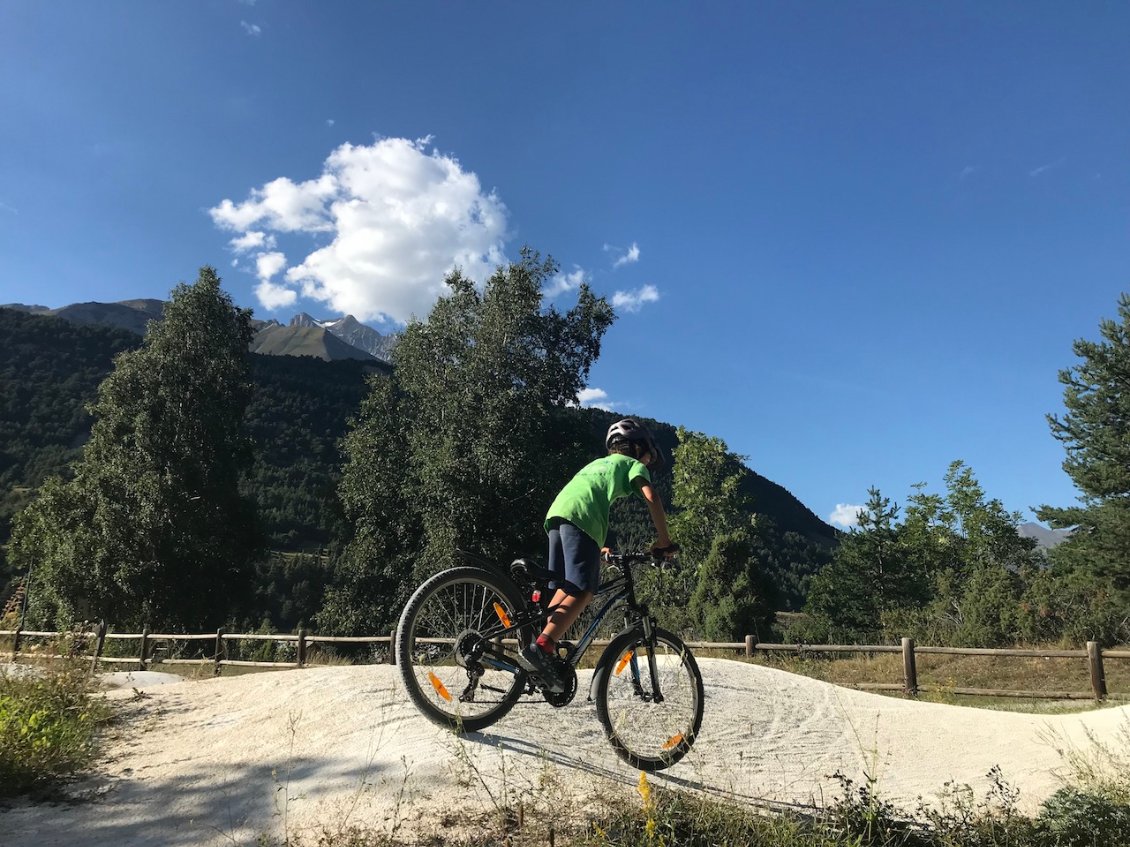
586, 500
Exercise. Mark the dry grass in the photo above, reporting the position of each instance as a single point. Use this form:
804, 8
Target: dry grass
990, 672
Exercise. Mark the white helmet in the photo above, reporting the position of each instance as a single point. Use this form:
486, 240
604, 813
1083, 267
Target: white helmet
633, 432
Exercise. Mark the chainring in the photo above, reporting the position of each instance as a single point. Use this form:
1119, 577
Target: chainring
565, 697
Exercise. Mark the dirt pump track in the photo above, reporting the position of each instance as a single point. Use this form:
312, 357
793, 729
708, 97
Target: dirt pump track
293, 753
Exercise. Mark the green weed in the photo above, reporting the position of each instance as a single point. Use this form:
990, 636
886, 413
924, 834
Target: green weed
48, 724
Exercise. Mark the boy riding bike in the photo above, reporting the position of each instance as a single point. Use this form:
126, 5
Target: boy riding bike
577, 524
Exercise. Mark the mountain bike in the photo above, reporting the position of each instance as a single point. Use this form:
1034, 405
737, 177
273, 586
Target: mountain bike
460, 633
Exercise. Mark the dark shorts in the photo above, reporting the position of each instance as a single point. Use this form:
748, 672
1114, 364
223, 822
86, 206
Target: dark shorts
574, 558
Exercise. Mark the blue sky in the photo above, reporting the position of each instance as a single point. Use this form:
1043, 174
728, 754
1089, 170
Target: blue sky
858, 238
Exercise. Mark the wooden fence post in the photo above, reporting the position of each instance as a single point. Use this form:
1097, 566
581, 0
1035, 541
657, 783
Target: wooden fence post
392, 648
749, 642
99, 643
143, 662
301, 647
909, 667
220, 650
16, 643
1098, 675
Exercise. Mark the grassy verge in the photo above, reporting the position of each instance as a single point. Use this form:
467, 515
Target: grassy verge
1074, 817
48, 724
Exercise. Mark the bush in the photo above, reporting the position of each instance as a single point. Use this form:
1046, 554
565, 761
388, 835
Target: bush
1075, 818
47, 726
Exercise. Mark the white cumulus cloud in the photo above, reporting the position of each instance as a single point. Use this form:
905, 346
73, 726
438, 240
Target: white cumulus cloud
392, 219
252, 241
845, 515
594, 398
631, 301
274, 296
562, 283
269, 264
629, 258
251, 29
281, 205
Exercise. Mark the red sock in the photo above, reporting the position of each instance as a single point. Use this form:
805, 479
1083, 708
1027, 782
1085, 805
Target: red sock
546, 644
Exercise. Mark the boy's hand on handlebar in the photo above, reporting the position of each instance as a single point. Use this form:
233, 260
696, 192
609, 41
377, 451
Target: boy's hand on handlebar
665, 551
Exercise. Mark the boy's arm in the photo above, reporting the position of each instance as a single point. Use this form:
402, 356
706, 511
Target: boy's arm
655, 507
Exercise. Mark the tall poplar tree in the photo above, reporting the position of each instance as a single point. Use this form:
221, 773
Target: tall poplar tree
152, 529
465, 444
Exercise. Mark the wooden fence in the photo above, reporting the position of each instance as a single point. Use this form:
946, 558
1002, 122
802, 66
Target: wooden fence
218, 656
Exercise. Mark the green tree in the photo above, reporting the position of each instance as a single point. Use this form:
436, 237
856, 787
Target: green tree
706, 493
867, 575
370, 576
1095, 432
466, 445
723, 561
152, 529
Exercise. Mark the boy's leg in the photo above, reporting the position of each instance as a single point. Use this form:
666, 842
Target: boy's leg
574, 560
566, 609
575, 556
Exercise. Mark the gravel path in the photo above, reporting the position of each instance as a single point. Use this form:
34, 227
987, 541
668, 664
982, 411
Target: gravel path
294, 753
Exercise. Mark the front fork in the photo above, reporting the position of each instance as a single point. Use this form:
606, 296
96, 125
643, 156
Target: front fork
655, 695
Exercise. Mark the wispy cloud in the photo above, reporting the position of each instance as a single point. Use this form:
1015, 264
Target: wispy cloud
626, 257
330, 121
632, 301
6, 208
388, 221
594, 398
253, 30
1042, 169
629, 258
967, 172
562, 283
845, 515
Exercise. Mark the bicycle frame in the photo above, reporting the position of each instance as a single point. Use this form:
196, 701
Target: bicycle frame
614, 592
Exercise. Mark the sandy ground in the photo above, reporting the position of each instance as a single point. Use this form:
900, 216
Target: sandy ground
288, 755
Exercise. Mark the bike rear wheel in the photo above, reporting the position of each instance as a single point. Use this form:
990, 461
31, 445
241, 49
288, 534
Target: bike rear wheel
648, 734
447, 645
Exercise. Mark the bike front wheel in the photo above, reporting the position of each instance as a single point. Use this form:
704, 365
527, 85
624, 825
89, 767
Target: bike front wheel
649, 699
449, 648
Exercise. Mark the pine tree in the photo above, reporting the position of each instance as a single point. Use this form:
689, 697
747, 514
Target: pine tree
1095, 432
866, 577
152, 530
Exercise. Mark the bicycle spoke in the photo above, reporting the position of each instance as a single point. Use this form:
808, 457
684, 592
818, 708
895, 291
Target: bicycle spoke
444, 628
647, 730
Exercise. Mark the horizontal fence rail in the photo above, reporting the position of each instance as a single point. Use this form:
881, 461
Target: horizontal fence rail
218, 656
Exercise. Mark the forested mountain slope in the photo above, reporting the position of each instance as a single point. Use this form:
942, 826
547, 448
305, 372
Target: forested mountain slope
50, 369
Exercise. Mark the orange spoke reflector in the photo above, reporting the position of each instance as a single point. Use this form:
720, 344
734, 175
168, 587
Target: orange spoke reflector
673, 740
627, 657
502, 616
440, 688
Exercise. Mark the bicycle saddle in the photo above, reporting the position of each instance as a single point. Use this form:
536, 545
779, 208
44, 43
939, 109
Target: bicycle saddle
527, 570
